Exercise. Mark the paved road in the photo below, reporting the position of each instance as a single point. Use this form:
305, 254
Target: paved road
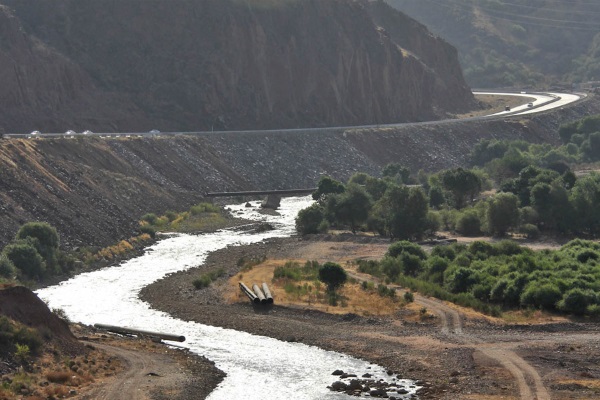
542, 102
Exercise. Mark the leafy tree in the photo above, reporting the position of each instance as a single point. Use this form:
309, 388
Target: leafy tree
468, 223
26, 259
46, 242
352, 207
395, 170
486, 151
502, 213
333, 275
459, 279
404, 211
412, 265
591, 147
436, 197
327, 186
7, 268
585, 198
462, 184
309, 220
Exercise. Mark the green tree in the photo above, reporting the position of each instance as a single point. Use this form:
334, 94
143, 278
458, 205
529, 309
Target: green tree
327, 186
309, 220
352, 207
26, 259
395, 170
404, 211
461, 183
333, 275
46, 242
502, 213
7, 268
585, 200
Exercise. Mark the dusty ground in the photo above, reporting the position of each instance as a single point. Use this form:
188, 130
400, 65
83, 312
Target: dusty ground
147, 370
458, 353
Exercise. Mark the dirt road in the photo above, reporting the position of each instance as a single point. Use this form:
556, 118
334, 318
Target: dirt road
153, 373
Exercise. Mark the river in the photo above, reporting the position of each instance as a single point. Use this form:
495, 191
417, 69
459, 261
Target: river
269, 367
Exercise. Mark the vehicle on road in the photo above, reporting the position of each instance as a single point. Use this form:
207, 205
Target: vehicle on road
529, 105
507, 108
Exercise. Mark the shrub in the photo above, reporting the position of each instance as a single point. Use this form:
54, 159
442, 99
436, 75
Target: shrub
446, 252
26, 259
530, 231
576, 301
459, 280
310, 220
7, 268
543, 296
412, 265
148, 230
405, 246
468, 223
150, 218
202, 282
333, 275
409, 297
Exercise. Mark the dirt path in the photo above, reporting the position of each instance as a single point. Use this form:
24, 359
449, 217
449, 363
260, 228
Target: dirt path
529, 382
144, 373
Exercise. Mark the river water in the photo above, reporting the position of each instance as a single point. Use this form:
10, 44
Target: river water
264, 366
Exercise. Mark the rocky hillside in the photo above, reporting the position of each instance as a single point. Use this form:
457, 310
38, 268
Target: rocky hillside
192, 65
525, 43
94, 190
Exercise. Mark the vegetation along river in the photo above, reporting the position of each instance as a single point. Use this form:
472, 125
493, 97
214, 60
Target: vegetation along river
266, 366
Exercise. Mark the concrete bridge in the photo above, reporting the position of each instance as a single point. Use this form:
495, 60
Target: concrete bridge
273, 198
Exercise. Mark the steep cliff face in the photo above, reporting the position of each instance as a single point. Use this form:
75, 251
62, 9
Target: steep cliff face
232, 64
39, 87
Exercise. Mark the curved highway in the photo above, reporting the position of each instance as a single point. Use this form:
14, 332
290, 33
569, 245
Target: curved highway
542, 101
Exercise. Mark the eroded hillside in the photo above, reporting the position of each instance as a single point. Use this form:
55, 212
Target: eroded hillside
192, 65
95, 190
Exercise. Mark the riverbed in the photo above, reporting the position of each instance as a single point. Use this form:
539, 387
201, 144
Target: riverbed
266, 366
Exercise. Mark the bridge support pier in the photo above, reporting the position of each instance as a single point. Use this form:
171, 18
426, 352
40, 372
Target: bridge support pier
272, 201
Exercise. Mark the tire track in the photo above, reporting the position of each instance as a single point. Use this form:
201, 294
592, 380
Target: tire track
529, 382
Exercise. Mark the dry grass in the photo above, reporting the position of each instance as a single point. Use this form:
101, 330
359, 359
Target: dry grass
593, 384
354, 298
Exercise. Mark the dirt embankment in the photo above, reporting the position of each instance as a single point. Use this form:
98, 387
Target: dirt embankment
92, 364
95, 190
459, 353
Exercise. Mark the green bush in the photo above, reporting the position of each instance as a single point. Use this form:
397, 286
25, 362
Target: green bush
333, 275
542, 296
7, 268
530, 231
147, 229
202, 282
576, 301
150, 218
26, 259
405, 246
409, 297
204, 208
468, 223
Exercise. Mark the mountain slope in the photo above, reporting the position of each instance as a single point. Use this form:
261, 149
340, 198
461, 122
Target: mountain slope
505, 43
227, 64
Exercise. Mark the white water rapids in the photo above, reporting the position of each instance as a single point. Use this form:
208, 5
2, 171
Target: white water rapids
268, 367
